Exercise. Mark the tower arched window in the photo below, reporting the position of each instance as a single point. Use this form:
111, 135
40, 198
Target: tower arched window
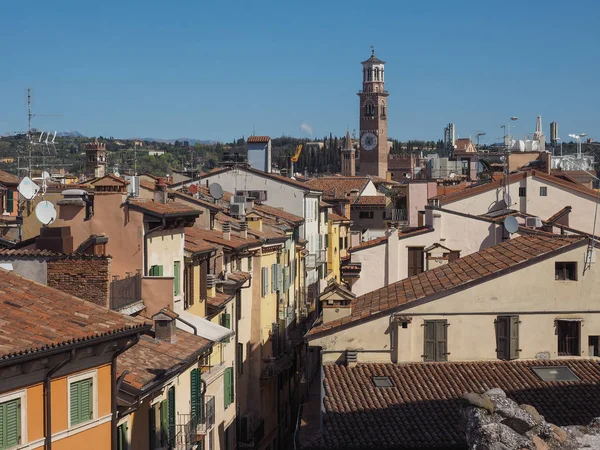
370, 74
376, 73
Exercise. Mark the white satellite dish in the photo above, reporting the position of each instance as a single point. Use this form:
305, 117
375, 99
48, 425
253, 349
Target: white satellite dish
452, 175
507, 200
116, 173
510, 224
45, 175
216, 191
45, 212
27, 188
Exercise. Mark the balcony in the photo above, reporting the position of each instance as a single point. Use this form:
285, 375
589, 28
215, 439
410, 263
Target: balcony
191, 427
288, 313
251, 433
273, 366
321, 256
396, 215
380, 92
125, 292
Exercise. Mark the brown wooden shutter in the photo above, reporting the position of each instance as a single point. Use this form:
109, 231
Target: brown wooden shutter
419, 261
411, 262
502, 337
429, 351
441, 338
203, 272
514, 337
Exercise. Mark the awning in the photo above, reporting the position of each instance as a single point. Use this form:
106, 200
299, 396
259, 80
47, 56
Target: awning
206, 328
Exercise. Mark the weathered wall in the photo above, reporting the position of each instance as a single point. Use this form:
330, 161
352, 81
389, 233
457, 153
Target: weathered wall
86, 278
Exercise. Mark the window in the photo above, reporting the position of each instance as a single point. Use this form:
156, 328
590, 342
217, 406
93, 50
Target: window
176, 278
265, 281
365, 214
436, 340
196, 394
522, 191
565, 271
81, 401
341, 243
240, 358
238, 264
228, 385
555, 373
415, 260
238, 304
152, 426
122, 436
383, 382
226, 322
10, 201
156, 271
507, 337
568, 332
543, 191
171, 416
10, 423
594, 345
249, 263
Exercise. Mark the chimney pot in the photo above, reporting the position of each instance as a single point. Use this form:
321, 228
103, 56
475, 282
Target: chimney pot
164, 325
244, 230
227, 231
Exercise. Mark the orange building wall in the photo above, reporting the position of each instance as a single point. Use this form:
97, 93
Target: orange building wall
97, 438
35, 412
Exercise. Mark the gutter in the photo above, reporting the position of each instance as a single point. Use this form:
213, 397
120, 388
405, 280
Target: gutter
159, 228
48, 399
115, 384
193, 327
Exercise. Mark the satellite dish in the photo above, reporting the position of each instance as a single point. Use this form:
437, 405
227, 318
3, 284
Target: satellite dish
507, 200
216, 191
510, 224
45, 212
45, 175
452, 175
193, 189
116, 173
27, 188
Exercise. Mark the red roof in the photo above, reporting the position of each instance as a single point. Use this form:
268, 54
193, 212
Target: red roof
459, 274
258, 139
338, 187
36, 318
8, 178
401, 235
375, 200
166, 209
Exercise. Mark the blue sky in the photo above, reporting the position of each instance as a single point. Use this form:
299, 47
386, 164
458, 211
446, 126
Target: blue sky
215, 70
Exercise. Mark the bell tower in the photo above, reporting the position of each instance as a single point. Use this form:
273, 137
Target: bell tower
374, 150
348, 157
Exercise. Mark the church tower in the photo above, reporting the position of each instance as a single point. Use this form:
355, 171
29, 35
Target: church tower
95, 162
373, 119
348, 157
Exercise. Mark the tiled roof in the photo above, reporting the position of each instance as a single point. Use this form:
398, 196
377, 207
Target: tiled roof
273, 176
402, 234
258, 139
8, 178
378, 180
559, 214
423, 408
458, 274
36, 318
337, 217
152, 359
338, 187
35, 253
108, 180
219, 300
148, 185
238, 276
278, 212
193, 245
376, 200
216, 237
163, 209
203, 202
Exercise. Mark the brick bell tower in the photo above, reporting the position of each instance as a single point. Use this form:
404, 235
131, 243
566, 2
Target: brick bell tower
374, 150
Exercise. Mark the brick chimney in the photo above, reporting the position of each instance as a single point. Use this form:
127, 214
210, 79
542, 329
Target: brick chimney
244, 230
160, 192
164, 325
227, 231
55, 239
211, 285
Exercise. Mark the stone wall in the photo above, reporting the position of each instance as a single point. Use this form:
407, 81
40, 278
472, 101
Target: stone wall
85, 277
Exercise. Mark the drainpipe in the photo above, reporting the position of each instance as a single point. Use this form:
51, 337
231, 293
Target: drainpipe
115, 385
159, 228
48, 403
189, 325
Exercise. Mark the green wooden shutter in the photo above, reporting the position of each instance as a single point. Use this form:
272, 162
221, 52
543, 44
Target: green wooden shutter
122, 436
160, 270
195, 392
176, 278
10, 201
171, 398
74, 388
81, 401
231, 387
227, 387
152, 426
514, 337
441, 338
164, 422
502, 337
10, 423
429, 352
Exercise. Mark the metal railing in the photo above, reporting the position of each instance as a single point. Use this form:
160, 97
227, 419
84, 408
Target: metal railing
192, 425
396, 215
126, 291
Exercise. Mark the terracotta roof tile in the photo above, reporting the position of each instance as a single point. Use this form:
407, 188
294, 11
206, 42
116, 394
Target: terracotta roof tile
258, 139
166, 209
423, 408
8, 178
36, 318
219, 300
337, 217
33, 253
278, 212
461, 272
402, 234
338, 187
216, 237
152, 359
378, 200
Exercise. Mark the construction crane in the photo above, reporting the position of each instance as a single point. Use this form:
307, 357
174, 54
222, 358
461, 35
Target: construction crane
477, 136
297, 154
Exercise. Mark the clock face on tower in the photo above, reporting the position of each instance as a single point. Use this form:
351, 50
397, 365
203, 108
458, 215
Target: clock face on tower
368, 141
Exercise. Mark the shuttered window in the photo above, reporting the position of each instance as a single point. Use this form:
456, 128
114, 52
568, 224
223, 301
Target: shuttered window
81, 401
265, 281
122, 439
196, 396
279, 275
226, 322
436, 340
171, 401
152, 427
156, 271
176, 278
203, 273
286, 278
228, 386
415, 260
10, 201
507, 337
273, 278
164, 423
10, 423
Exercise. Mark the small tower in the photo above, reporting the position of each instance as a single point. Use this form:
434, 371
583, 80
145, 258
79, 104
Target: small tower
348, 157
95, 160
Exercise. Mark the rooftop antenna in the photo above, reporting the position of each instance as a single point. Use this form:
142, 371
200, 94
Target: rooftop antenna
477, 136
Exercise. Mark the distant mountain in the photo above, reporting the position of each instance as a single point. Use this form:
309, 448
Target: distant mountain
192, 141
71, 133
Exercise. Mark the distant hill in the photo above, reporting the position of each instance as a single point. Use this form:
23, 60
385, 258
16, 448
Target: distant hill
71, 133
192, 141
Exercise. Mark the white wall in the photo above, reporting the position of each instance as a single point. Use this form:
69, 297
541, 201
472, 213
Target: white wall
164, 248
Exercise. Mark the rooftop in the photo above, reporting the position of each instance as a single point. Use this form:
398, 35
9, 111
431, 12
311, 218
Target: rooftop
168, 209
402, 234
459, 274
422, 408
338, 187
37, 318
258, 139
8, 178
197, 234
375, 200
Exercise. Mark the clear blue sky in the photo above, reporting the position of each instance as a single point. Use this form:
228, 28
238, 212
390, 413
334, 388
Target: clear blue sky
215, 70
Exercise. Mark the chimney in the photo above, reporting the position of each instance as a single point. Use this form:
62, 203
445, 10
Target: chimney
336, 304
55, 239
244, 230
211, 285
160, 192
227, 231
255, 223
164, 325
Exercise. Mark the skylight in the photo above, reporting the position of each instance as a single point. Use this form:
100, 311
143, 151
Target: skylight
383, 382
555, 373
